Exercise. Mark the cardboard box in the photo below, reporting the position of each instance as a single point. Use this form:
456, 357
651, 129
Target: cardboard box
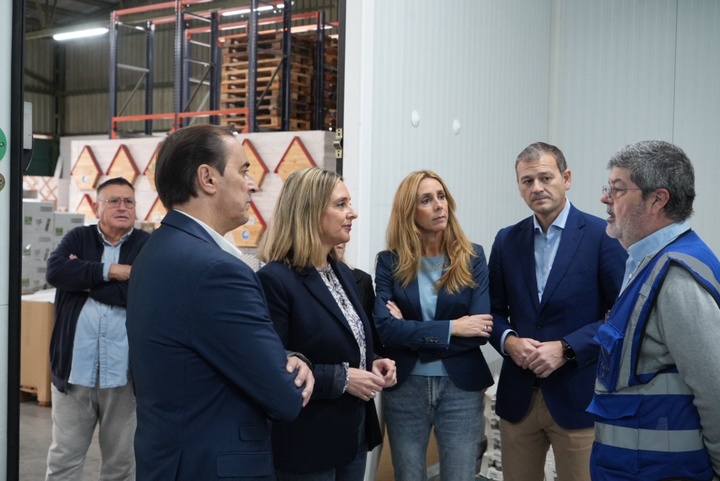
38, 245
36, 323
64, 222
33, 275
38, 216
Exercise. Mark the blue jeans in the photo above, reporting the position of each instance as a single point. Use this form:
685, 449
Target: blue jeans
411, 411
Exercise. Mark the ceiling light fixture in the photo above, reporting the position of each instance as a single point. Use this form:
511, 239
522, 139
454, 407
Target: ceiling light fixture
247, 10
91, 32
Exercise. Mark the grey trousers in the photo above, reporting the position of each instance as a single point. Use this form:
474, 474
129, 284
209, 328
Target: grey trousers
75, 415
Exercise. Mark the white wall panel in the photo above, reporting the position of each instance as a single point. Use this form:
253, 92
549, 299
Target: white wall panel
697, 108
615, 76
484, 64
588, 76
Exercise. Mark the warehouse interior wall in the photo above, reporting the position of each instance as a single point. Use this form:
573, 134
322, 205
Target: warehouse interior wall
462, 87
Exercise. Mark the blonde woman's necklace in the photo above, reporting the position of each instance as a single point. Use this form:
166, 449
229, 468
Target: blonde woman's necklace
433, 263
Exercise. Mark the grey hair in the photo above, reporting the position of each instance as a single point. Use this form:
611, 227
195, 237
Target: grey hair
535, 150
654, 164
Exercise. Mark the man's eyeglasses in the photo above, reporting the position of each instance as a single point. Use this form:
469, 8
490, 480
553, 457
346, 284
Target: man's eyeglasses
612, 191
115, 202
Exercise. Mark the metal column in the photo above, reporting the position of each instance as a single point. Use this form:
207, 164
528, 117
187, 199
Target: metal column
286, 65
252, 33
112, 81
149, 80
13, 161
340, 109
178, 70
215, 66
319, 116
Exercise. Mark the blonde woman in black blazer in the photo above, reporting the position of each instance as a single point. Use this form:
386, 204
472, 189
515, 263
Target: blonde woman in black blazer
316, 310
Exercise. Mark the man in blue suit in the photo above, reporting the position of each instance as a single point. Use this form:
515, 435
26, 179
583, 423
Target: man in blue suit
553, 277
208, 367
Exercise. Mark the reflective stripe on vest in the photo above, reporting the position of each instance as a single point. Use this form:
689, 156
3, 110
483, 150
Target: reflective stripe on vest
649, 439
669, 383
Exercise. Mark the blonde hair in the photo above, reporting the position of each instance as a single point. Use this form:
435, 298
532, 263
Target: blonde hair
293, 235
403, 237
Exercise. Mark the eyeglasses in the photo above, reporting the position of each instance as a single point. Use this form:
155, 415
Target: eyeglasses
115, 202
612, 191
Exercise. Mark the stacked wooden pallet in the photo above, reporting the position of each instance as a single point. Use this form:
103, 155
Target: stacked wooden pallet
235, 80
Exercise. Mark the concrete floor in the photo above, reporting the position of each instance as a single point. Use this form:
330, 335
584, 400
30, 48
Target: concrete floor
35, 438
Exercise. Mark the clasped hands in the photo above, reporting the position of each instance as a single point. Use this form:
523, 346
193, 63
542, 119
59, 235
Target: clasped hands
366, 384
542, 358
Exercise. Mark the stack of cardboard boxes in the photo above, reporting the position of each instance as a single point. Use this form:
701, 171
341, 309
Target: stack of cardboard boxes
43, 228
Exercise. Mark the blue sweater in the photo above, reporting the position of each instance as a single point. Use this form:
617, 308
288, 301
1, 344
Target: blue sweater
75, 282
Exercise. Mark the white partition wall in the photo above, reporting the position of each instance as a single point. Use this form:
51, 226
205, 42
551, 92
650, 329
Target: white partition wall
474, 77
589, 77
697, 108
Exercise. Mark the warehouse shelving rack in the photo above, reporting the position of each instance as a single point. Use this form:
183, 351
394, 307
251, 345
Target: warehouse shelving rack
209, 16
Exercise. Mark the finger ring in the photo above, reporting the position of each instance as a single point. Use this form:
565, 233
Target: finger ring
372, 393
485, 327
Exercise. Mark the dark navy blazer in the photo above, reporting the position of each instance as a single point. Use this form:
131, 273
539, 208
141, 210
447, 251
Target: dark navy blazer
208, 366
584, 282
409, 339
308, 320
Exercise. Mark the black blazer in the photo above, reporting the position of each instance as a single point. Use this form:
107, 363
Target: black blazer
308, 320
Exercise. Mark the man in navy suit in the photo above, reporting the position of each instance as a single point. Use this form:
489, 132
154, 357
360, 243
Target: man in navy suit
209, 368
553, 277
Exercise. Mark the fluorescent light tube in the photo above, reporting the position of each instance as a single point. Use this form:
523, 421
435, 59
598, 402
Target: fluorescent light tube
247, 10
91, 32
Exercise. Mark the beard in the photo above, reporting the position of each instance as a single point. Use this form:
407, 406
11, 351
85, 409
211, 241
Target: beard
629, 229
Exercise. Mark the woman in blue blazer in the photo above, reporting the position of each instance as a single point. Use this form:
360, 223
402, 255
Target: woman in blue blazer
432, 314
316, 310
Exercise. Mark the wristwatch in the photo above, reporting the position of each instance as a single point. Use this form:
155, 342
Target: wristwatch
568, 351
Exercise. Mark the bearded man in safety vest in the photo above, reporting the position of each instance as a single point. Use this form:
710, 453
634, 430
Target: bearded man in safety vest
657, 395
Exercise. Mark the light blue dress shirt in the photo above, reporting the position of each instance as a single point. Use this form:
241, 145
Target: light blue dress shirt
545, 249
100, 349
649, 246
431, 270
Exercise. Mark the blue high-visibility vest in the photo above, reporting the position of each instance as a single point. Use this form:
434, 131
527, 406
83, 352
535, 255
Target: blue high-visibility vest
647, 427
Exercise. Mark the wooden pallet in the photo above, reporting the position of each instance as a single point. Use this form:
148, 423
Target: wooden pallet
266, 122
273, 96
239, 89
229, 74
265, 46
